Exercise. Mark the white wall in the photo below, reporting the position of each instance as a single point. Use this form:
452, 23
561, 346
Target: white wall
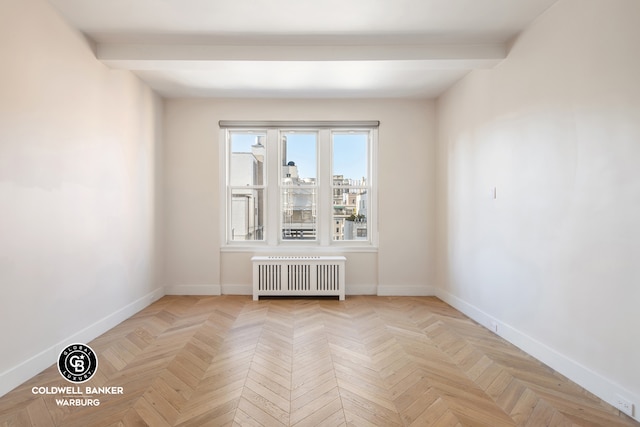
79, 155
556, 129
194, 262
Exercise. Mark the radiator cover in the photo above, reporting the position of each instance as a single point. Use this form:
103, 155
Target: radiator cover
298, 276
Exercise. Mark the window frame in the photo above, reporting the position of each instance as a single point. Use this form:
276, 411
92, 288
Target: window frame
231, 188
282, 187
368, 186
325, 221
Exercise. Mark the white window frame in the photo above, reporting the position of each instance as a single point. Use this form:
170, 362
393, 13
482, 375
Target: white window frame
231, 188
273, 240
318, 185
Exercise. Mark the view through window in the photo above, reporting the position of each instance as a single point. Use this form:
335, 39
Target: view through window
299, 185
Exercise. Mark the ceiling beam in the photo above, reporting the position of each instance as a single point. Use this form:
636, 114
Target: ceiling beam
172, 56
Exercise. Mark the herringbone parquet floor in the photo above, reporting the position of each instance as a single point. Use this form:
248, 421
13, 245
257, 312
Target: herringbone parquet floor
366, 361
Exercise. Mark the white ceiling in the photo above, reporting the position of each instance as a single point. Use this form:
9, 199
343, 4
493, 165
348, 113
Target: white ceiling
301, 48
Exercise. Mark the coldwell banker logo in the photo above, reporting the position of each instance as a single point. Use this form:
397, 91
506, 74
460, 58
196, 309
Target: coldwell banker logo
77, 363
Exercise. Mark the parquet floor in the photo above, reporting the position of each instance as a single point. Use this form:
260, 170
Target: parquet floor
366, 361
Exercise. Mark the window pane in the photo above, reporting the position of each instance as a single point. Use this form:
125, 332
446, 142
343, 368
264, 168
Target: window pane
350, 206
247, 158
247, 215
299, 158
350, 157
350, 170
298, 213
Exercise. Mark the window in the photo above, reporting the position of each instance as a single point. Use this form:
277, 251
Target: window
350, 168
246, 186
299, 184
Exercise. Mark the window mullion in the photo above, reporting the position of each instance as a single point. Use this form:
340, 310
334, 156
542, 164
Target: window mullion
273, 187
324, 207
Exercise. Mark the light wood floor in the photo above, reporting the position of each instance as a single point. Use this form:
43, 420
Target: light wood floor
381, 361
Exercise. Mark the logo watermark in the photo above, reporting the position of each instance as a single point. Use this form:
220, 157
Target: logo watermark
77, 363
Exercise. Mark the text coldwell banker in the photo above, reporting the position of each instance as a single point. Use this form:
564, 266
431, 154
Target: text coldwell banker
77, 390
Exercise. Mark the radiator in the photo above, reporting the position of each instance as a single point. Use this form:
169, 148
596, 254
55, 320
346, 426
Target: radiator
298, 275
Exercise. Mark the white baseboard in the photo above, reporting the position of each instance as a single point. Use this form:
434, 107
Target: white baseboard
361, 290
17, 375
248, 290
237, 289
602, 387
350, 290
192, 290
406, 291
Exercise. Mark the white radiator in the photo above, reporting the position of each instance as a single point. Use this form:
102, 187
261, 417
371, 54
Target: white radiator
298, 275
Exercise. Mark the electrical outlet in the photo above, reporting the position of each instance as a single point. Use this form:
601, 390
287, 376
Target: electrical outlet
624, 405
494, 326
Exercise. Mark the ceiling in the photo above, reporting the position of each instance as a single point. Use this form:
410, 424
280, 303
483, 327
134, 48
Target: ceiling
301, 48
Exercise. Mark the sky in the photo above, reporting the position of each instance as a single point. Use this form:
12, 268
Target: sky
349, 152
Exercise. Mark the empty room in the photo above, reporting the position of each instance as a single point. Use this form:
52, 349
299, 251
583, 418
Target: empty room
298, 213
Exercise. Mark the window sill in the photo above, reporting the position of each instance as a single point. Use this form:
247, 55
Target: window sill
300, 249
